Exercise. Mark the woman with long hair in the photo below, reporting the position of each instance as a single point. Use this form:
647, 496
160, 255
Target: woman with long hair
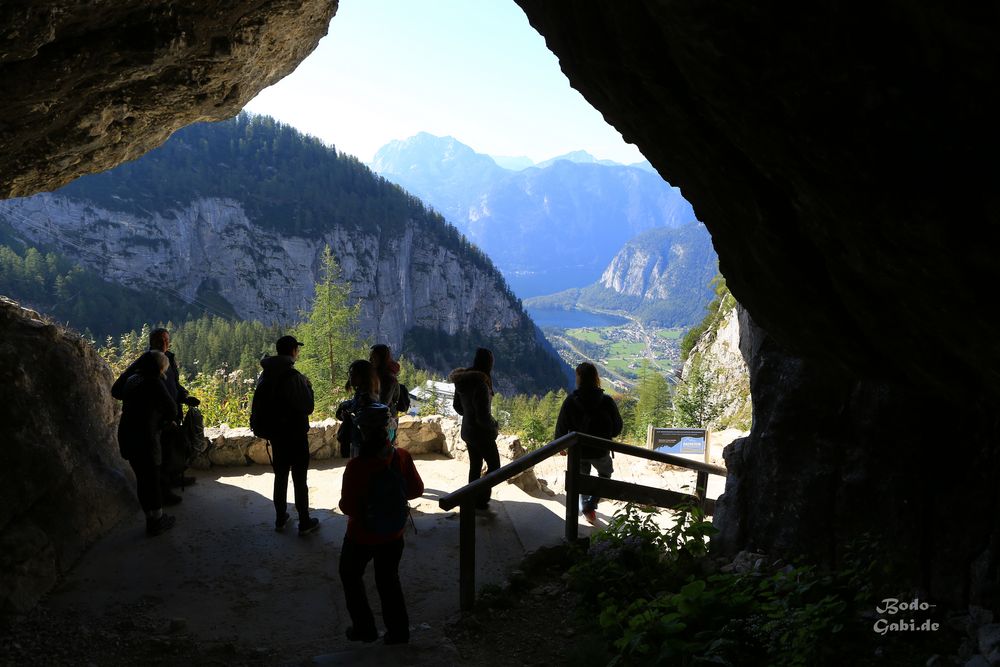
474, 402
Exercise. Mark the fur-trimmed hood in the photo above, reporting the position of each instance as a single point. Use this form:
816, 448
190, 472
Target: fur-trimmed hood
465, 379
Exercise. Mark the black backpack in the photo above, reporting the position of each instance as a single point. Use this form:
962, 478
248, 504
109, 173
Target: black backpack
386, 509
266, 415
403, 402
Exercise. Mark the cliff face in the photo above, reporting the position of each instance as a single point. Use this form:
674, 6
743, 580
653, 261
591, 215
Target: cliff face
64, 483
718, 356
402, 282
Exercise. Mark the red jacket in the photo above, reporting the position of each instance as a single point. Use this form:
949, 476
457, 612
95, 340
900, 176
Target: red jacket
352, 494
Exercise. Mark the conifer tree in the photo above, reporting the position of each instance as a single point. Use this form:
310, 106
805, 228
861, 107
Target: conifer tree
330, 335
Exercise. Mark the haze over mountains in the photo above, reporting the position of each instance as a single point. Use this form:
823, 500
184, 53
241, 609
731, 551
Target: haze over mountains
234, 216
661, 277
548, 227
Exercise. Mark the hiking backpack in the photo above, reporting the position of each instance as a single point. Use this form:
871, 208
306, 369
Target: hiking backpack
266, 416
386, 509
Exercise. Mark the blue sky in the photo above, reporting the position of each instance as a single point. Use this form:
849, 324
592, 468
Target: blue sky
472, 69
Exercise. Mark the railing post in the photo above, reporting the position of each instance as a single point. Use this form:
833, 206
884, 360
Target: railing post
467, 555
572, 495
701, 488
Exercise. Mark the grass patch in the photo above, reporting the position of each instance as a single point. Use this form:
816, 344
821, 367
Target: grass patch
670, 334
627, 349
586, 335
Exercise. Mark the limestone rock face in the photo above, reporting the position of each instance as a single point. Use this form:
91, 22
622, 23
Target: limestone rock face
89, 85
63, 483
836, 158
718, 354
404, 282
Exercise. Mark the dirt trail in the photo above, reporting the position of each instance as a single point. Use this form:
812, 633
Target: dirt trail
224, 578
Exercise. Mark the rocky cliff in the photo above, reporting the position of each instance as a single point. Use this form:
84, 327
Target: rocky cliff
718, 357
210, 244
64, 483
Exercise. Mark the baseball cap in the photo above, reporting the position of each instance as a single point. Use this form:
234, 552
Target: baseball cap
286, 344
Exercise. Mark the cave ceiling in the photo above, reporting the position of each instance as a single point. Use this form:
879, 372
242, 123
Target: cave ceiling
87, 86
844, 161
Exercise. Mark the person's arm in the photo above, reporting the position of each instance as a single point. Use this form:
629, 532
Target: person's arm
301, 393
456, 403
411, 478
118, 388
616, 417
562, 422
351, 491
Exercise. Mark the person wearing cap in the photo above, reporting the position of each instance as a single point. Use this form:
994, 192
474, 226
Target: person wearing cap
290, 444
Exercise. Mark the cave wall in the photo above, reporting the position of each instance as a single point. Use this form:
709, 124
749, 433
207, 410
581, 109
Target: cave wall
87, 86
63, 483
844, 162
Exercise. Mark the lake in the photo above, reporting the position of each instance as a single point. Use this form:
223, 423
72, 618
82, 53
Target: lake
573, 319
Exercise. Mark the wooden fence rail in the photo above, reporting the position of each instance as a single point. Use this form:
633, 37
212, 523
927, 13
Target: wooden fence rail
576, 484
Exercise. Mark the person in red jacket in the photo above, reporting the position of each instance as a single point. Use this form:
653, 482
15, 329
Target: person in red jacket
376, 486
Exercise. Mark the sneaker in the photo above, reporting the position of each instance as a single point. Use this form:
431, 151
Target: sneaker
355, 636
160, 525
590, 515
170, 499
281, 522
308, 526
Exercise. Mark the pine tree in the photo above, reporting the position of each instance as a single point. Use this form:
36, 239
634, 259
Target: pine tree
330, 335
653, 405
695, 401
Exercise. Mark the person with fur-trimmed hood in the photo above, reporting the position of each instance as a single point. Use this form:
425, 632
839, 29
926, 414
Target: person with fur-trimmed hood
473, 401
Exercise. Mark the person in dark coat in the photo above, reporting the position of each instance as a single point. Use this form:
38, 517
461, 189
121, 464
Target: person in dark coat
474, 401
291, 444
362, 379
146, 407
589, 410
174, 456
387, 370
363, 543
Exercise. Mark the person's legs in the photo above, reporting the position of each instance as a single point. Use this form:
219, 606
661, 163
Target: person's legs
147, 484
300, 470
390, 592
585, 470
491, 455
604, 468
353, 560
281, 464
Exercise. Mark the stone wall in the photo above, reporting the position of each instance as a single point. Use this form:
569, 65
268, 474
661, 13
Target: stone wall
225, 447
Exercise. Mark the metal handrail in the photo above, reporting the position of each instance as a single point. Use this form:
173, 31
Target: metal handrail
465, 497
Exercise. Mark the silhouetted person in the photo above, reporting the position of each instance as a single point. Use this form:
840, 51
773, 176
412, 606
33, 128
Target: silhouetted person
589, 410
290, 442
387, 370
377, 483
146, 407
362, 379
474, 401
174, 446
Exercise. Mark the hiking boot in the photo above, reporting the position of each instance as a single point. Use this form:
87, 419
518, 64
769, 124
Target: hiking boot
281, 522
181, 482
170, 499
157, 526
309, 525
367, 636
590, 514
